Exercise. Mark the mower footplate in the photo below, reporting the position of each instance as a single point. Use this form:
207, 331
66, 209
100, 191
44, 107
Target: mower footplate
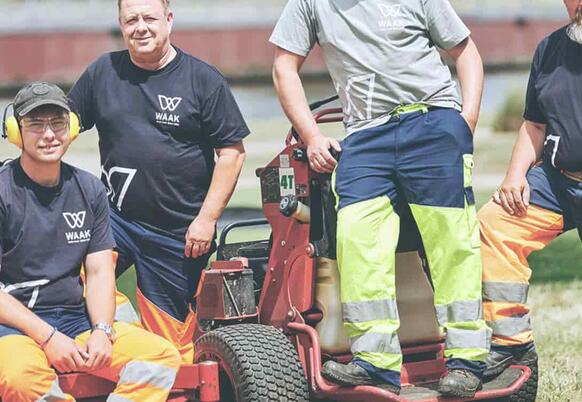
504, 385
428, 392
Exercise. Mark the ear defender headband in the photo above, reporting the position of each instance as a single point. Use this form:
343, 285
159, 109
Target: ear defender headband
11, 128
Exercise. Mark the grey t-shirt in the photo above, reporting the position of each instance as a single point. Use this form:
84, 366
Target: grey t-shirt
46, 232
380, 54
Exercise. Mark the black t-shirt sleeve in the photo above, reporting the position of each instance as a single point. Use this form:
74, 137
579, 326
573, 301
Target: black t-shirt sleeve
101, 234
533, 110
222, 121
82, 96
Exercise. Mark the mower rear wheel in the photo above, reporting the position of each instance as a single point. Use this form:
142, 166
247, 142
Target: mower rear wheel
257, 363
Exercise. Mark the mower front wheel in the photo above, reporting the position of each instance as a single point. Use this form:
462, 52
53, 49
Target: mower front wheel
257, 363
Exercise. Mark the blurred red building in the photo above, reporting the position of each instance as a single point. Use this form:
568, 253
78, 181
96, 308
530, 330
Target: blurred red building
239, 52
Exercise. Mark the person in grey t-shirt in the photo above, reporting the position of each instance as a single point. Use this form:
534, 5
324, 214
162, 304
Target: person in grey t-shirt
408, 150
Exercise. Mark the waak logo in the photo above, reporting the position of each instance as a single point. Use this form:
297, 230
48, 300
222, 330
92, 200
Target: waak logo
391, 16
76, 220
168, 104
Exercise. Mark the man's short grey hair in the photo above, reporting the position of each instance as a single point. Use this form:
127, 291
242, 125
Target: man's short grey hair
165, 3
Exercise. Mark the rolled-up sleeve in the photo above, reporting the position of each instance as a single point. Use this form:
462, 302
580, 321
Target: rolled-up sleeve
296, 29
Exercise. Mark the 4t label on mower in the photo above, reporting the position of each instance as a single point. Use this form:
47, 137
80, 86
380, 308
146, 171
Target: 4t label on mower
287, 181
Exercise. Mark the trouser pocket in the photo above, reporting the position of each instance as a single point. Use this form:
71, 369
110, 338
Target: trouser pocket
470, 210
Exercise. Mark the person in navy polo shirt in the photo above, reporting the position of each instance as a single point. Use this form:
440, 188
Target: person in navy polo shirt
163, 117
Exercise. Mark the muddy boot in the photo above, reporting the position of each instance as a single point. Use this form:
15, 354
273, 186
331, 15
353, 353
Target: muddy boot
461, 383
501, 358
351, 375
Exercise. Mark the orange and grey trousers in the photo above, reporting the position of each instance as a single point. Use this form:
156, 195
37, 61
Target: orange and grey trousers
143, 365
507, 241
166, 281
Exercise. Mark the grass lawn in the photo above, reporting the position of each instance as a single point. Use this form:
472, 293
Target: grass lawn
557, 322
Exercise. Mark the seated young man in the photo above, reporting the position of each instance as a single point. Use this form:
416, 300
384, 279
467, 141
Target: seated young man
53, 219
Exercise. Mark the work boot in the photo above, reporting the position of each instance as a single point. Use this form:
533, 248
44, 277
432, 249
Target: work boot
460, 383
498, 360
351, 375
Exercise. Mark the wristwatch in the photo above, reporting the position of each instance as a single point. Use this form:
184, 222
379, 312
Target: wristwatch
108, 329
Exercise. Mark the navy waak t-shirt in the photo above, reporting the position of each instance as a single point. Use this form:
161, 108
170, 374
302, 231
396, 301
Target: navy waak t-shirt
157, 134
554, 97
46, 233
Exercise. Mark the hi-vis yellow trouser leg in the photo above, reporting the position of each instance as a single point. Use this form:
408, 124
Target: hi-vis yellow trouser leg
143, 365
451, 242
367, 235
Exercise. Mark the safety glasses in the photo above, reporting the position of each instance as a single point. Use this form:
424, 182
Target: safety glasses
58, 125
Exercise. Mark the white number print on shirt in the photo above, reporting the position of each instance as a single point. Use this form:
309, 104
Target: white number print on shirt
129, 175
30, 284
364, 86
556, 140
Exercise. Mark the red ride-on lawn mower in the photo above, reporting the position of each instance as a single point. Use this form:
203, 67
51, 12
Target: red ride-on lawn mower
269, 312
274, 352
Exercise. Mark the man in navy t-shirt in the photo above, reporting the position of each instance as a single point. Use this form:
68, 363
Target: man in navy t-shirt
162, 117
536, 202
53, 219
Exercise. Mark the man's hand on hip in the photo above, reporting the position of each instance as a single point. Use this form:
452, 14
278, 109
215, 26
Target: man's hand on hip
318, 154
513, 195
64, 354
199, 237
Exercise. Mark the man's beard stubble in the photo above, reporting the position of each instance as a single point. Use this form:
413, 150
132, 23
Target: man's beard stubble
574, 30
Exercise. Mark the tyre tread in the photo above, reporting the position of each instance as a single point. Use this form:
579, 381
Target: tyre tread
264, 364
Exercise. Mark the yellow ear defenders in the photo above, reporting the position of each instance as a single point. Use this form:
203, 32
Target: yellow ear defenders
11, 128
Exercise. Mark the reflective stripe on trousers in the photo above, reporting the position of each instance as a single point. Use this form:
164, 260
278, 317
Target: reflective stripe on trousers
154, 374
124, 311
370, 310
55, 393
459, 311
510, 326
508, 292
